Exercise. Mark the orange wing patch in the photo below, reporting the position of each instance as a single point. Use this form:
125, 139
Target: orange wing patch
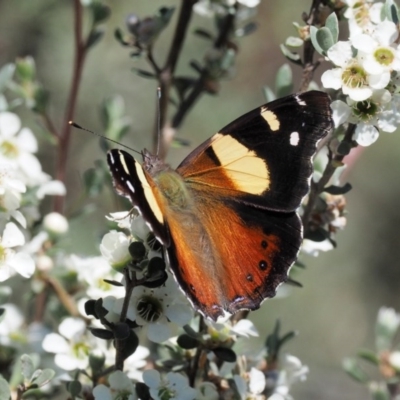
236, 264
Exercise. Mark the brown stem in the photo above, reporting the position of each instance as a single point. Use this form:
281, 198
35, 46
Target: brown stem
64, 138
196, 359
318, 187
165, 76
309, 65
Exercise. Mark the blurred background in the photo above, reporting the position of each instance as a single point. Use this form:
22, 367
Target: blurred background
336, 309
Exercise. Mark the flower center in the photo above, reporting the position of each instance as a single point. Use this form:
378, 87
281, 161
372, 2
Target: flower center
384, 56
361, 13
354, 76
9, 149
123, 395
80, 350
365, 110
149, 308
166, 394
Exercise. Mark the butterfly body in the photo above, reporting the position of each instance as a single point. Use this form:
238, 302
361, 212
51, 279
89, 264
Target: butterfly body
227, 215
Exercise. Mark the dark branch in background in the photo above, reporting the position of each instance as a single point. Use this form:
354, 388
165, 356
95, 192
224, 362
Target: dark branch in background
166, 75
201, 84
64, 137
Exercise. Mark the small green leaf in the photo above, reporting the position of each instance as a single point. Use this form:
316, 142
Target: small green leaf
143, 73
102, 333
187, 342
25, 69
178, 143
97, 360
351, 366
100, 12
332, 24
137, 250
6, 74
5, 393
290, 55
44, 377
314, 41
27, 367
293, 41
118, 34
317, 235
94, 37
336, 190
191, 332
41, 99
391, 11
225, 354
284, 81
74, 387
93, 179
203, 33
121, 330
248, 29
129, 345
268, 94
369, 356
379, 391
344, 148
325, 38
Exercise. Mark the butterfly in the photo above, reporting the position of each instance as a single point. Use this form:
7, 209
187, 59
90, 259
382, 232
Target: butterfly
227, 215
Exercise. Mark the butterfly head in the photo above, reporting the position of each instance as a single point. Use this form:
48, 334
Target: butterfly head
152, 164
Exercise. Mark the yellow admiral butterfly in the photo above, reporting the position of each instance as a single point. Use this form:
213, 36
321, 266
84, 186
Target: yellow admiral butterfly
227, 215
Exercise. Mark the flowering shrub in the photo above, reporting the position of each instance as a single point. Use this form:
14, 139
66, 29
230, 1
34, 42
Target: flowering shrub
99, 309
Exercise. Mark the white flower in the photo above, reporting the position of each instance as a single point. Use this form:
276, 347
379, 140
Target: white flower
362, 15
349, 74
156, 308
11, 322
377, 55
114, 248
173, 387
55, 223
387, 324
10, 190
93, 271
256, 385
292, 371
121, 387
122, 218
224, 331
16, 150
394, 360
51, 188
71, 346
365, 134
313, 248
12, 261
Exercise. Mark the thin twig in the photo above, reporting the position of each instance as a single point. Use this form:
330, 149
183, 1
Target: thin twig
318, 187
64, 138
309, 65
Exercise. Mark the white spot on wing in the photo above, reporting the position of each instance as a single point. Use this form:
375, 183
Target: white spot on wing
300, 102
294, 138
131, 188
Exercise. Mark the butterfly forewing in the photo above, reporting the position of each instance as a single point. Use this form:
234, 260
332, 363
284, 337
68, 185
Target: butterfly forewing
274, 145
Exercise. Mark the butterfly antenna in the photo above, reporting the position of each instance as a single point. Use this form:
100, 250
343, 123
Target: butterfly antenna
158, 120
75, 125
